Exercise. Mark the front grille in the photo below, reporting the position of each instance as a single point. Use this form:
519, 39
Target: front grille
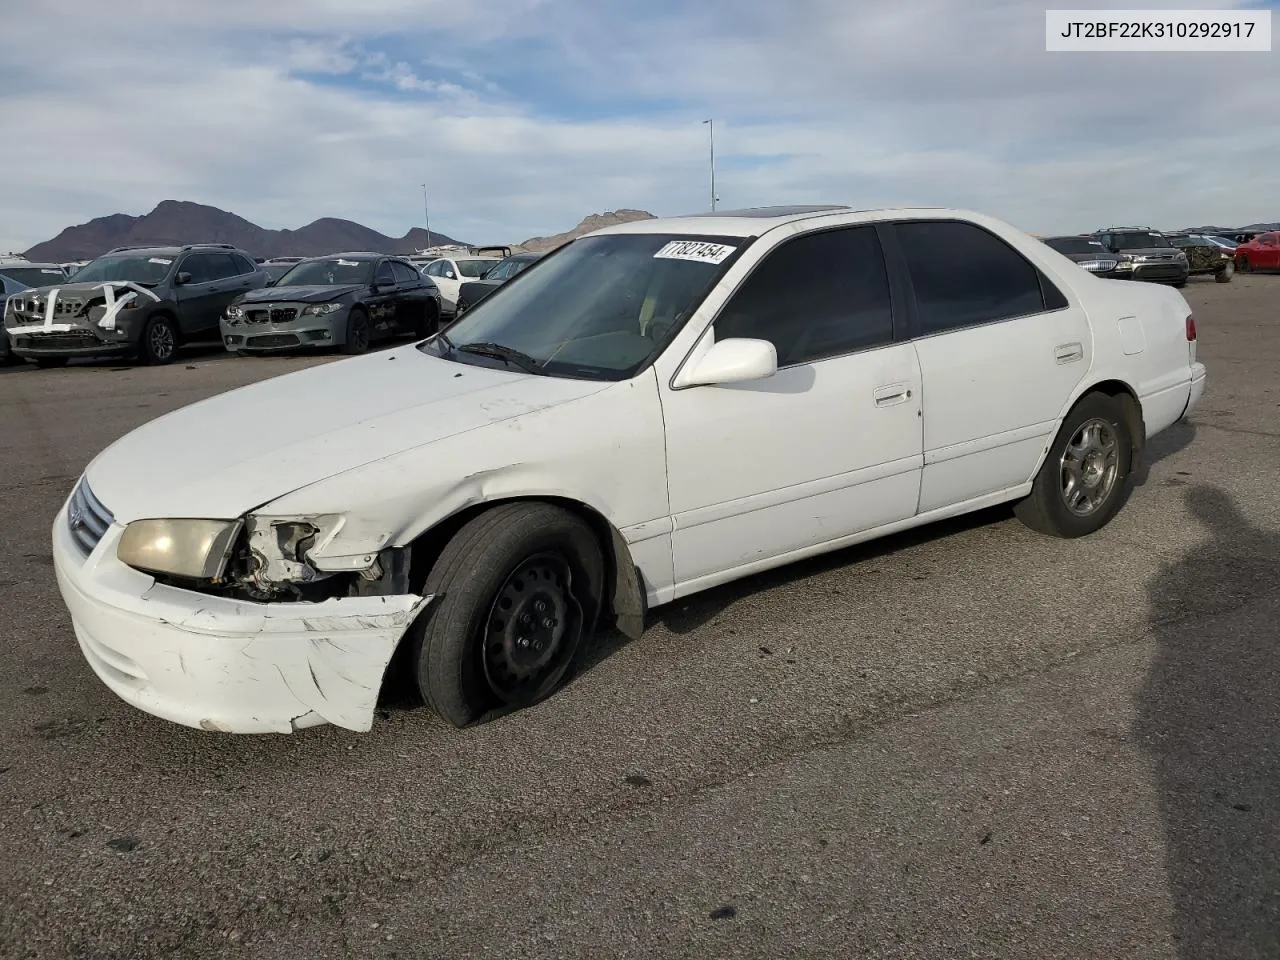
278, 315
38, 305
87, 519
273, 340
70, 340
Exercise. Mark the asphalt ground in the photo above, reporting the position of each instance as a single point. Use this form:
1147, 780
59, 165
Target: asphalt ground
969, 741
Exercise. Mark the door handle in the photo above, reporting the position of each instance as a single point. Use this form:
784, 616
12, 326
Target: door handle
1068, 352
892, 394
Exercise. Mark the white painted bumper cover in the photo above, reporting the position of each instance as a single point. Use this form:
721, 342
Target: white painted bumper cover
1199, 375
226, 665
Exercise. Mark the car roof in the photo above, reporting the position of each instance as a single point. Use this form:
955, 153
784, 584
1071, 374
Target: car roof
355, 255
28, 264
757, 220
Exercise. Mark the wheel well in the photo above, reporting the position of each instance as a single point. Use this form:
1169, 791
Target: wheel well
425, 550
173, 322
1129, 403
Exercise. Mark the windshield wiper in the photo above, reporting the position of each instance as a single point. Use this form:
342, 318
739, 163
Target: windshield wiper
508, 355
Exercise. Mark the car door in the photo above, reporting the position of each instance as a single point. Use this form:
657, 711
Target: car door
1270, 258
828, 446
230, 279
382, 300
410, 297
445, 274
1001, 351
199, 295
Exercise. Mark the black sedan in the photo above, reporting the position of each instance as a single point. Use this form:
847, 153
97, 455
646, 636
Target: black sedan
346, 300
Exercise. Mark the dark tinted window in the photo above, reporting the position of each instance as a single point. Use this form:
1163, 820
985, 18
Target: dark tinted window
817, 296
200, 266
963, 275
223, 266
383, 274
404, 273
1075, 244
1139, 240
243, 264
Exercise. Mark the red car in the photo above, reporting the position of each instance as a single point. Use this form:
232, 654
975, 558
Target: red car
1260, 253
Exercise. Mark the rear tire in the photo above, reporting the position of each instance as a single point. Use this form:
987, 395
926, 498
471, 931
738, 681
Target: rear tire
429, 322
517, 593
1084, 479
1225, 274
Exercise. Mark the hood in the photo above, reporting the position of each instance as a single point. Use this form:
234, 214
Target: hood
320, 293
89, 288
226, 455
1151, 251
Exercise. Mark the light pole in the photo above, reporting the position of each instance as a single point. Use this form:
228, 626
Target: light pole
712, 126
426, 212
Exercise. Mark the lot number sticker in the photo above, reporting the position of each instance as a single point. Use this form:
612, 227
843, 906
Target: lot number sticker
696, 250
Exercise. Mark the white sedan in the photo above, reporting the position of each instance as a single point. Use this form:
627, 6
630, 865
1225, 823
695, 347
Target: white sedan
651, 410
450, 273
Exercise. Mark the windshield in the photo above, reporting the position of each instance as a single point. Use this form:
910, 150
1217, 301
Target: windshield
1139, 241
1075, 245
145, 270
1223, 241
277, 270
475, 269
328, 272
599, 307
34, 276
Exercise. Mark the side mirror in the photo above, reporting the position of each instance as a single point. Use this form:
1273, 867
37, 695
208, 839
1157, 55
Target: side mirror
182, 279
733, 361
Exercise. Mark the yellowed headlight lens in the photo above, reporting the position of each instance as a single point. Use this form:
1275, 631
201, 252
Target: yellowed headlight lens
195, 549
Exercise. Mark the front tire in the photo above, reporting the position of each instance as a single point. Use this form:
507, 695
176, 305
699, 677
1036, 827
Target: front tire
1245, 265
518, 593
159, 344
429, 322
1084, 480
1225, 274
359, 335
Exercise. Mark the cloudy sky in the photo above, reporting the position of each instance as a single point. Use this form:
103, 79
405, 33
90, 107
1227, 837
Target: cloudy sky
524, 115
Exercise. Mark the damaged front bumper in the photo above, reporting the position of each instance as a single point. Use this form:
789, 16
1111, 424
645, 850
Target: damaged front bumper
264, 329
229, 665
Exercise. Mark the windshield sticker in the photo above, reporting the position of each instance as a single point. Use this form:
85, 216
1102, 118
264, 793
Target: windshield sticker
161, 260
348, 263
696, 250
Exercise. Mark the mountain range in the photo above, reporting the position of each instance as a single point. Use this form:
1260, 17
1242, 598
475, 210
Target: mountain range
181, 221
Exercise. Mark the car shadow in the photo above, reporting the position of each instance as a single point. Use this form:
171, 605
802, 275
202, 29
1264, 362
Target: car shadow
1208, 713
1162, 446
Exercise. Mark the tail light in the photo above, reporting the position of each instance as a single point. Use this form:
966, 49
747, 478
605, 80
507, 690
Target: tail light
1191, 328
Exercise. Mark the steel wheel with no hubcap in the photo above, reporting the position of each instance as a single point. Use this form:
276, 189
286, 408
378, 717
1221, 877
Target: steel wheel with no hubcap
1090, 465
533, 630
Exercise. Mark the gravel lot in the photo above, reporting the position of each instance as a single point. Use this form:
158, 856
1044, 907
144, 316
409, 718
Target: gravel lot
969, 741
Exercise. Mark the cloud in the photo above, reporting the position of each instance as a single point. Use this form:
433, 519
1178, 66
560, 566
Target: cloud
524, 115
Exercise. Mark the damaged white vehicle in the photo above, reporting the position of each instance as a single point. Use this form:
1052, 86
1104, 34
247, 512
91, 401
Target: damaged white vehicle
649, 411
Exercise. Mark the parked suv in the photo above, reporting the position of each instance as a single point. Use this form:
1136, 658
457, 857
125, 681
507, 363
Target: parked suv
18, 274
1152, 254
142, 302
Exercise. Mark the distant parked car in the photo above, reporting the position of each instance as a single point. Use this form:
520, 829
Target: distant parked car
1149, 251
1260, 253
1225, 242
1090, 254
449, 273
17, 275
1205, 256
473, 291
142, 302
347, 300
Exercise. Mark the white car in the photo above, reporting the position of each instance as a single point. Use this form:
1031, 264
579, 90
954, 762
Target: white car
450, 273
649, 411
